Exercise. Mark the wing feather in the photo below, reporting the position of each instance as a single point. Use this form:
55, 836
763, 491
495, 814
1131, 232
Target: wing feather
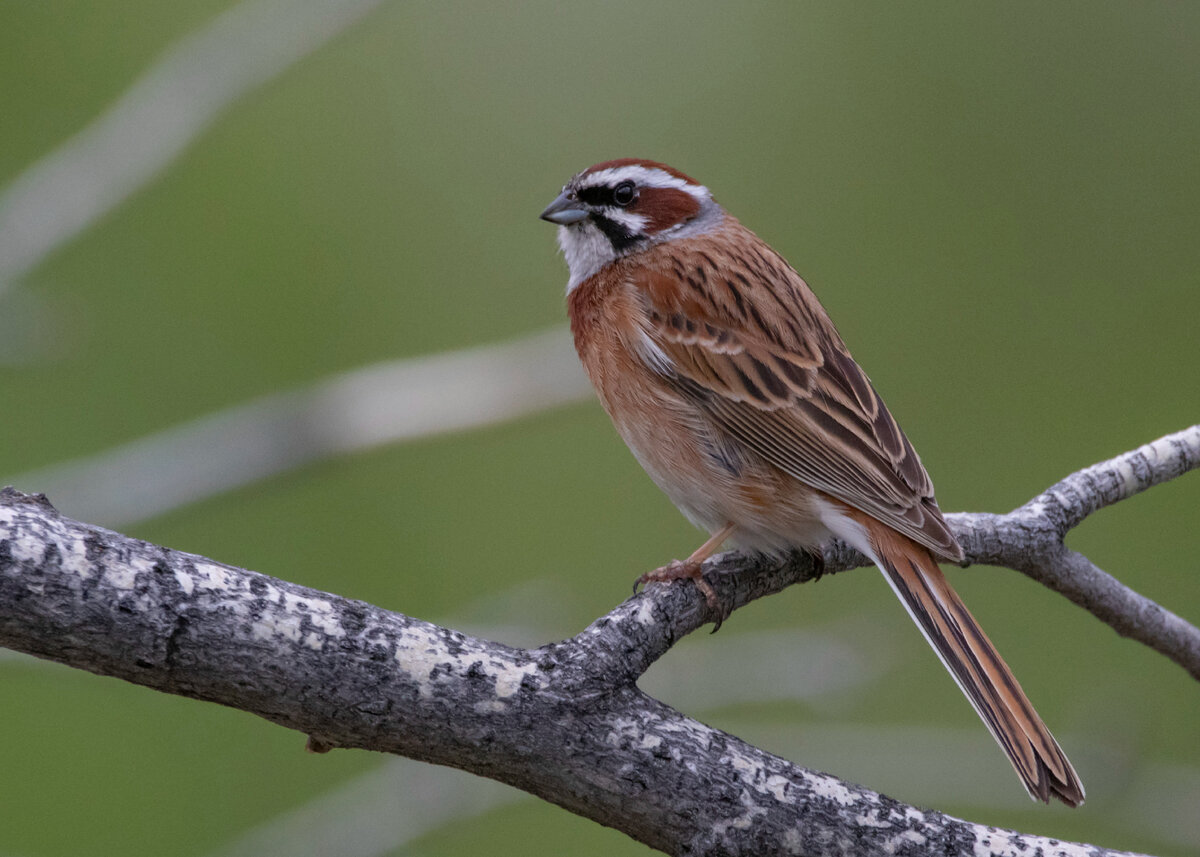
762, 359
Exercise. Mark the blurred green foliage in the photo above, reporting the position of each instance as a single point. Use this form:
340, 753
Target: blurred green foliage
999, 204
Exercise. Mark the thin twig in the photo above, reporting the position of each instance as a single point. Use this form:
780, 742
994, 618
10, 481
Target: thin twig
389, 402
1030, 539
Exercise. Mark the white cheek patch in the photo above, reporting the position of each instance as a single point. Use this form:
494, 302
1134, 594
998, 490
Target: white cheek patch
635, 224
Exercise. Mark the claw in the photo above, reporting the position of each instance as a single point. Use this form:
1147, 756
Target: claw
317, 745
690, 569
818, 564
687, 570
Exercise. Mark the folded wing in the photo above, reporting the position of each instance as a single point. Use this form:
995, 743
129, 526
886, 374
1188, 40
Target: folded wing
783, 383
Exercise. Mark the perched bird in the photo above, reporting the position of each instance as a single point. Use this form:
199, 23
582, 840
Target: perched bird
726, 378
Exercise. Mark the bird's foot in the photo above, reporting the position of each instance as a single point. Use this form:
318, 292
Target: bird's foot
687, 569
680, 569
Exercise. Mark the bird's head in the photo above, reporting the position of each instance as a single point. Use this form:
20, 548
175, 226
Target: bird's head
616, 208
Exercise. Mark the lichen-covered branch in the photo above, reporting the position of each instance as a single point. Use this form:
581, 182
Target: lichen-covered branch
565, 721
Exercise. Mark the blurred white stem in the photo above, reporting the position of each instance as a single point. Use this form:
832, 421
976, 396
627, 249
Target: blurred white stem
375, 814
180, 95
364, 408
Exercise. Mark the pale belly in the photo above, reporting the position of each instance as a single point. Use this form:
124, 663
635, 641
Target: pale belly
714, 481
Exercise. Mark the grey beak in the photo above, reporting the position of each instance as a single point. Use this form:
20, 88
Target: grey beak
564, 211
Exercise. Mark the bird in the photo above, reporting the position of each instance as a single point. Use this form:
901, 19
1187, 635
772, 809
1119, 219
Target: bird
728, 381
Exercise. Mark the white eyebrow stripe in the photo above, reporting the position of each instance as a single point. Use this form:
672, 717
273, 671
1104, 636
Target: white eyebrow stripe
643, 176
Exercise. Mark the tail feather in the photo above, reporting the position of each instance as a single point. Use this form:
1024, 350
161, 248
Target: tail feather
975, 665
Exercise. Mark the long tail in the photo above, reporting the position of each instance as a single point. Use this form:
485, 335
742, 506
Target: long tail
975, 664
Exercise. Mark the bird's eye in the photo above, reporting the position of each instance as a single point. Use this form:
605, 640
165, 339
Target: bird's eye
623, 194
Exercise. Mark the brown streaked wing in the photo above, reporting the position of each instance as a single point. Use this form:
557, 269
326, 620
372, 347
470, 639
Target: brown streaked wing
774, 373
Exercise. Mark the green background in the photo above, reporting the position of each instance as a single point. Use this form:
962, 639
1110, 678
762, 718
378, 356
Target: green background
999, 205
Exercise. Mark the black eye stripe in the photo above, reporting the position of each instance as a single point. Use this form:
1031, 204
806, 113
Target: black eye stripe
619, 195
599, 195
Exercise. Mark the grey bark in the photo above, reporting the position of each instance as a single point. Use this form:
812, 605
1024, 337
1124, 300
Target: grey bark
565, 721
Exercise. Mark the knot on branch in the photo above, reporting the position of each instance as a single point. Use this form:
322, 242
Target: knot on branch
11, 496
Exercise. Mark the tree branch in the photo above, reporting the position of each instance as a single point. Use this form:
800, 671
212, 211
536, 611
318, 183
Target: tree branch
564, 721
1030, 540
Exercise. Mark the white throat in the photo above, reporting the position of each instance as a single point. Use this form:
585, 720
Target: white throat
586, 250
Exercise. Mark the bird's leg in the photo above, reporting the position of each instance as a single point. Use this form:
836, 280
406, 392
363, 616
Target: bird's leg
690, 568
